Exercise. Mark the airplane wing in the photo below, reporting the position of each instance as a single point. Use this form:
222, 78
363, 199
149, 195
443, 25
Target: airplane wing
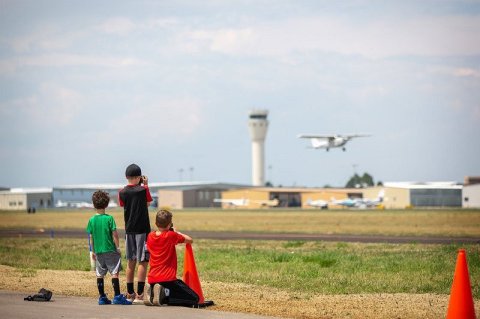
316, 136
356, 135
332, 136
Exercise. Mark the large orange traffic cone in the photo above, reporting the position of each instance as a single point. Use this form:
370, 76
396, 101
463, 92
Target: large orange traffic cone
461, 301
190, 275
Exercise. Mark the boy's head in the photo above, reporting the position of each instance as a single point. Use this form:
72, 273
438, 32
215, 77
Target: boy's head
163, 218
100, 199
133, 170
133, 173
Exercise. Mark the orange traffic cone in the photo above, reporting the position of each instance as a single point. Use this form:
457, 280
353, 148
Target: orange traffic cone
461, 301
190, 275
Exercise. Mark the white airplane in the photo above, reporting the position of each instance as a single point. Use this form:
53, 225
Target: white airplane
330, 141
60, 204
270, 202
232, 202
319, 203
360, 202
112, 204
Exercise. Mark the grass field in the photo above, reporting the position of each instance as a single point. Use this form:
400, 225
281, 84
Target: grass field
315, 279
375, 222
310, 267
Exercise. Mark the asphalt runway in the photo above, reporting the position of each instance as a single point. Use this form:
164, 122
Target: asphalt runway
12, 305
77, 233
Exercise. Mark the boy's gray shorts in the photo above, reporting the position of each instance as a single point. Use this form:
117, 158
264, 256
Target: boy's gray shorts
111, 262
136, 247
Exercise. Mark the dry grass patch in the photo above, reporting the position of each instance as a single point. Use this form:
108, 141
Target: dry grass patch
248, 298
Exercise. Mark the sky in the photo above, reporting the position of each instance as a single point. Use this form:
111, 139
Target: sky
88, 87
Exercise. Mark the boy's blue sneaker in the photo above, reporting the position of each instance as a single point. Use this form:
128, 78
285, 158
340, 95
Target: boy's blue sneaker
103, 300
121, 300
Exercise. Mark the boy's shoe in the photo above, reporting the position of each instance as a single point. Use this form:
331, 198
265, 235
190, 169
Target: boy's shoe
162, 297
103, 300
121, 300
138, 300
131, 297
148, 301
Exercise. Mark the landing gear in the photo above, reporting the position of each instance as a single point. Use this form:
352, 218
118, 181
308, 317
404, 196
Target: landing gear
344, 149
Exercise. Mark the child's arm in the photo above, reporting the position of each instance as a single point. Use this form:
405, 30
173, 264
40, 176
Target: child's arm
93, 247
145, 184
188, 239
115, 240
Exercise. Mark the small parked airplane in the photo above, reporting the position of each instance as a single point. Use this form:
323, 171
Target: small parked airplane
360, 202
319, 203
268, 202
232, 202
330, 141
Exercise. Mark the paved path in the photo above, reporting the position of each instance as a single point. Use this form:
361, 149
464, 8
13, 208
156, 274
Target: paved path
77, 233
12, 306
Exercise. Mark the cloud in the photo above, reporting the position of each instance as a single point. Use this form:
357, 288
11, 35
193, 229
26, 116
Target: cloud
51, 105
117, 25
378, 38
11, 65
466, 72
152, 122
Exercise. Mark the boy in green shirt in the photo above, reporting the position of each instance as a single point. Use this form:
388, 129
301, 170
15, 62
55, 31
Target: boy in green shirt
105, 248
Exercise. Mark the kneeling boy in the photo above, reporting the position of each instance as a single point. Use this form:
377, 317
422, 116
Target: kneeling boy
165, 288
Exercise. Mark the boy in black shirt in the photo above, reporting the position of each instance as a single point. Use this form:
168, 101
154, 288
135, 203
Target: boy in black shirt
135, 199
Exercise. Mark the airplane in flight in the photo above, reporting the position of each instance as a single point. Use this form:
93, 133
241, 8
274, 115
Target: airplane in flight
330, 141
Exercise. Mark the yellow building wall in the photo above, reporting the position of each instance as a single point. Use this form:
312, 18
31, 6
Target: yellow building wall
170, 198
394, 198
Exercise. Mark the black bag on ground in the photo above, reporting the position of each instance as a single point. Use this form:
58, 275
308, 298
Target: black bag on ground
42, 295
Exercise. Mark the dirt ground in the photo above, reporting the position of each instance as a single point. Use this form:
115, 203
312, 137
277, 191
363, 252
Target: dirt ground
249, 298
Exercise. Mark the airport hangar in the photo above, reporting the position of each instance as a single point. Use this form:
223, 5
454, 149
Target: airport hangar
202, 194
197, 192
418, 194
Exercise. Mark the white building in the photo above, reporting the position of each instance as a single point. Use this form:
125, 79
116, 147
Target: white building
471, 196
26, 198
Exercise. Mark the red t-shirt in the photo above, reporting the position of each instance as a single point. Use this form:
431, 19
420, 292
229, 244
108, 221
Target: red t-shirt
163, 256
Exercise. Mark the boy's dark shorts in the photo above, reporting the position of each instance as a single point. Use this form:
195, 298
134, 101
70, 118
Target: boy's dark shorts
136, 247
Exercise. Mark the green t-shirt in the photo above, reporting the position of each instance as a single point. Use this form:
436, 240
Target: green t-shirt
101, 227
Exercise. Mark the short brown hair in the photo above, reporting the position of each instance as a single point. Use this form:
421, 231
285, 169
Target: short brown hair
163, 218
100, 199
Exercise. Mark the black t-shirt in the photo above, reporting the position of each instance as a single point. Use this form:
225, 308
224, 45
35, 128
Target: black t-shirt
134, 200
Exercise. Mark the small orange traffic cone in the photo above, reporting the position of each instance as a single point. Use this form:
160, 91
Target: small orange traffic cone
190, 274
461, 300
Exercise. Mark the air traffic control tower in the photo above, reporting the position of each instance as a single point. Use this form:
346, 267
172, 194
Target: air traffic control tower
258, 125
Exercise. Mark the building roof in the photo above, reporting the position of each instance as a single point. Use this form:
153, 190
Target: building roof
168, 185
424, 185
301, 189
27, 190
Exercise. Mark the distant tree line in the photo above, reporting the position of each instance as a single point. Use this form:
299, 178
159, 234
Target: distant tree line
366, 180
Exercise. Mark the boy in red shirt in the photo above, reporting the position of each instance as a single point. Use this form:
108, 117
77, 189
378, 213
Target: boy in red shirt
165, 288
